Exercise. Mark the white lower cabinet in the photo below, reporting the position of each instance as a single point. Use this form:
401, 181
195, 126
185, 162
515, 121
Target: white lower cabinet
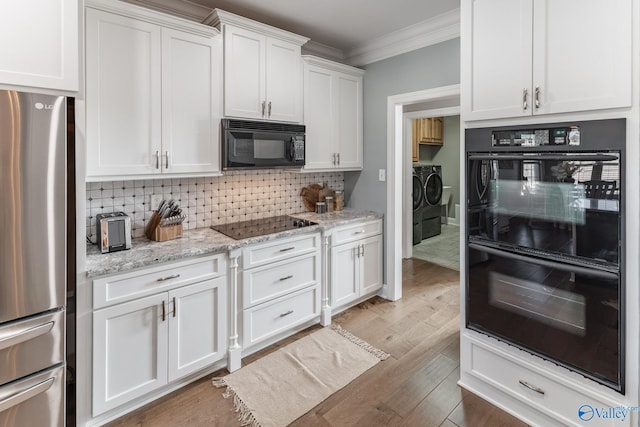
142, 345
551, 398
281, 287
356, 262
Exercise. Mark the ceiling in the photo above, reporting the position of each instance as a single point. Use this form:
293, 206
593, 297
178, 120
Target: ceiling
340, 24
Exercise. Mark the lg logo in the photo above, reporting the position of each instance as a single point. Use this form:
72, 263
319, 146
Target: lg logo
41, 106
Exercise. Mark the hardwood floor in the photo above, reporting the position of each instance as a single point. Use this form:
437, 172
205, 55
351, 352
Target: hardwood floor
416, 386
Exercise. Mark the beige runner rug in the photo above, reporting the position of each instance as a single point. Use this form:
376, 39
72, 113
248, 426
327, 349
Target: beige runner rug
279, 388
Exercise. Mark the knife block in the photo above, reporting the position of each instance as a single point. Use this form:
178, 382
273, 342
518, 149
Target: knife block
153, 231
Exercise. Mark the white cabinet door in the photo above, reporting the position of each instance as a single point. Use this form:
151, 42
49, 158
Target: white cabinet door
39, 44
348, 121
189, 93
582, 55
129, 351
244, 73
371, 265
197, 326
497, 70
283, 81
123, 95
318, 118
344, 273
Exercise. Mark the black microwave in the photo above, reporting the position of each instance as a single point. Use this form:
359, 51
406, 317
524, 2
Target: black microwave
255, 145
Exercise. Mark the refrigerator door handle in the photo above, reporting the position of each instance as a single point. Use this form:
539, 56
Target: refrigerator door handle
13, 338
22, 395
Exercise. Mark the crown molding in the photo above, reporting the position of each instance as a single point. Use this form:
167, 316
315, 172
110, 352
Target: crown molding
332, 65
322, 50
432, 31
183, 9
217, 18
153, 16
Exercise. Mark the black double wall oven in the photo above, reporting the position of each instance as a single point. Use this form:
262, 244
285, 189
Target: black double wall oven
545, 242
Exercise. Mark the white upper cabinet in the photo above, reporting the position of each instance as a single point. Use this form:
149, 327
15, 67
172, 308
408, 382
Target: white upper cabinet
332, 115
123, 114
39, 44
191, 79
527, 57
262, 70
152, 93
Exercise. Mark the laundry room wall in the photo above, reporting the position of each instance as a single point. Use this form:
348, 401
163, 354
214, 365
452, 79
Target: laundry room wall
447, 155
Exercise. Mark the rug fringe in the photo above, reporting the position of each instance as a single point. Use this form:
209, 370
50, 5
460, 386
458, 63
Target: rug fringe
360, 342
245, 416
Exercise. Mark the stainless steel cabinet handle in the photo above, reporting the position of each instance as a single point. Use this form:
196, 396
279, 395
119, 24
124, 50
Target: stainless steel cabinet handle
175, 307
263, 106
9, 340
358, 252
525, 94
269, 110
537, 97
157, 159
287, 249
162, 279
531, 387
359, 232
338, 159
282, 279
164, 312
24, 395
363, 249
166, 163
287, 313
333, 159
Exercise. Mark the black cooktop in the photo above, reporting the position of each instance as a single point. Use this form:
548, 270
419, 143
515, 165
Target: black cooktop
260, 227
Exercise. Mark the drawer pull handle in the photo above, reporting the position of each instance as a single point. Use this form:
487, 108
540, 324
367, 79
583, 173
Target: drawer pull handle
162, 279
359, 232
282, 279
287, 249
287, 313
531, 387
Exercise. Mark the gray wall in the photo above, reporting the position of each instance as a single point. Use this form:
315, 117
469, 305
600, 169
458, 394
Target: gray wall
449, 157
426, 68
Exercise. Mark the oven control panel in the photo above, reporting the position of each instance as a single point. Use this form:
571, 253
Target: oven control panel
536, 137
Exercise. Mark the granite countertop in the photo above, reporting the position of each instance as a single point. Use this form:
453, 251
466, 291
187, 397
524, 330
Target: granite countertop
205, 241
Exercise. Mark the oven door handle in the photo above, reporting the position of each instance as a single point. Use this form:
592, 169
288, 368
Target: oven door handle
546, 156
594, 272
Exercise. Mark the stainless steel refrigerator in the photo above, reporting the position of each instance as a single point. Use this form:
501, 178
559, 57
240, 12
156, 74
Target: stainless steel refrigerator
33, 259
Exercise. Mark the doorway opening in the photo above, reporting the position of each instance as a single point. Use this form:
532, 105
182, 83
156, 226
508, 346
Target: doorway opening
443, 101
434, 137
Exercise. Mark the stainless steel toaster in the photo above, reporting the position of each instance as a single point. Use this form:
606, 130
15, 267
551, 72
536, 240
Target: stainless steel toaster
113, 231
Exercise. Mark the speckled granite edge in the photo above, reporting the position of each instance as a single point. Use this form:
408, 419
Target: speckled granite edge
205, 241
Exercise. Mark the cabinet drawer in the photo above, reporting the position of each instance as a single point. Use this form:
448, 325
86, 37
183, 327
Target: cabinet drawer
274, 280
125, 287
280, 249
269, 319
553, 398
349, 233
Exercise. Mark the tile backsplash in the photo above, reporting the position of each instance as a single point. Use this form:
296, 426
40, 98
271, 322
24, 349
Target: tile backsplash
236, 196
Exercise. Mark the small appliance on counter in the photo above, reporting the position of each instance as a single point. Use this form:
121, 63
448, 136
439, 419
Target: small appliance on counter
114, 231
